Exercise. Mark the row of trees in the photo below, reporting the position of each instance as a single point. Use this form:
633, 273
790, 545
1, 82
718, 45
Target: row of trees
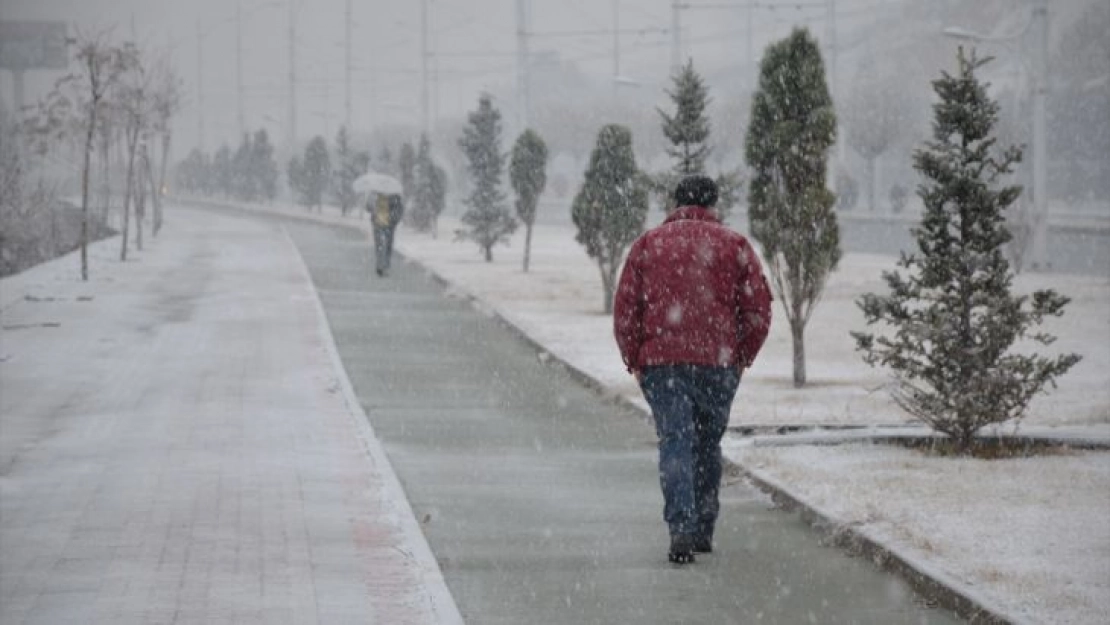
321, 173
952, 320
249, 174
487, 217
119, 95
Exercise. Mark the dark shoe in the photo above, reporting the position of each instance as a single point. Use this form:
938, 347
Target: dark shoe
703, 544
380, 272
682, 549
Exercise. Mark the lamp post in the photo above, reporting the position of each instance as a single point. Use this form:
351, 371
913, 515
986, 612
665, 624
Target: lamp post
1038, 24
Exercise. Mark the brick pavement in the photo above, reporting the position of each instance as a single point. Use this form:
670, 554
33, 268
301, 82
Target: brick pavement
178, 444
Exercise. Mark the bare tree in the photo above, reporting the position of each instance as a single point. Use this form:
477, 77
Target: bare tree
100, 67
166, 90
76, 106
131, 96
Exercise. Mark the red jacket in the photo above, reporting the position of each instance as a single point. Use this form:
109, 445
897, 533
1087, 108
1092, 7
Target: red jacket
692, 291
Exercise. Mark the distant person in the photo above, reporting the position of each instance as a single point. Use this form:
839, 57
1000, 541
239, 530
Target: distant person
691, 312
385, 213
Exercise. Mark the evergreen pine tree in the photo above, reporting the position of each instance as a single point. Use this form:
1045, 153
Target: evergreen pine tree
406, 162
346, 171
688, 131
385, 162
223, 171
528, 177
263, 166
436, 181
420, 213
488, 218
317, 172
295, 174
611, 207
242, 180
953, 317
790, 209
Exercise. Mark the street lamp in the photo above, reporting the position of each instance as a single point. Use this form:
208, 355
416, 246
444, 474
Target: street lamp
1039, 18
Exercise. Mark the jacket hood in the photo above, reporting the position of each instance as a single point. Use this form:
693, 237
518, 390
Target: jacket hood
696, 213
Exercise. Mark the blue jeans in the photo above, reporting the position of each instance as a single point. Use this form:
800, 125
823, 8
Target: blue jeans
383, 248
691, 405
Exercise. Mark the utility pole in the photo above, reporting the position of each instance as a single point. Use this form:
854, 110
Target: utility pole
751, 69
676, 38
239, 66
830, 28
834, 91
200, 89
522, 104
424, 66
291, 123
347, 71
616, 46
1040, 154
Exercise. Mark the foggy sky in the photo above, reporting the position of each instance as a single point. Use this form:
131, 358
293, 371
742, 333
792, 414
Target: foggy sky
473, 45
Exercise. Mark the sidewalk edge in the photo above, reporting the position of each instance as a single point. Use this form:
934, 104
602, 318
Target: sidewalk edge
442, 602
934, 585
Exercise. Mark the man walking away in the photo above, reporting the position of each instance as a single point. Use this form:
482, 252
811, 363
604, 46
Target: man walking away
691, 312
385, 214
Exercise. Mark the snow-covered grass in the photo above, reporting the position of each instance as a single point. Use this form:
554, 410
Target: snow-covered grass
1030, 535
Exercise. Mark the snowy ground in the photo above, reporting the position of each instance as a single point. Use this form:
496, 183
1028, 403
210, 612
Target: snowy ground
1028, 537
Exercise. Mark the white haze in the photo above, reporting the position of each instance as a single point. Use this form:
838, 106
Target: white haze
473, 46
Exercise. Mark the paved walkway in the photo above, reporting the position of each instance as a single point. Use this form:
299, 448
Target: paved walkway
178, 443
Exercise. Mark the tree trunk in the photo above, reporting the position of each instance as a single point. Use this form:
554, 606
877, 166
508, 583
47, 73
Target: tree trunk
140, 204
104, 149
155, 196
157, 225
527, 245
871, 183
607, 289
127, 192
85, 193
797, 333
489, 253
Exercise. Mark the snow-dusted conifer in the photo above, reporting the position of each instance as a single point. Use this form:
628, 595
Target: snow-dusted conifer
611, 207
243, 183
428, 192
347, 169
953, 319
488, 217
406, 162
263, 166
316, 173
223, 171
790, 210
528, 176
688, 128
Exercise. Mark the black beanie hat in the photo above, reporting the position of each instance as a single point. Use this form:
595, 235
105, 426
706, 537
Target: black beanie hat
696, 190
